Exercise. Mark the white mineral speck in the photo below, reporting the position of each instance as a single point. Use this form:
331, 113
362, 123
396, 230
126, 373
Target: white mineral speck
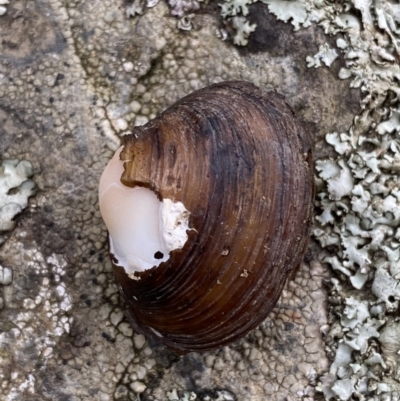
66, 303
60, 290
341, 43
29, 303
135, 106
47, 352
122, 124
141, 120
128, 66
255, 354
139, 341
5, 275
138, 387
119, 368
116, 317
125, 329
140, 372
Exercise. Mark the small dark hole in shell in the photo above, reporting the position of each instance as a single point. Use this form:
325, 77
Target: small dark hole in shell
391, 298
158, 255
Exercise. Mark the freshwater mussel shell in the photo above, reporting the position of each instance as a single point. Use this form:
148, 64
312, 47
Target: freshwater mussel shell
240, 162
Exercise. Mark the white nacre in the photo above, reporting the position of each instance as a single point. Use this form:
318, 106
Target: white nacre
142, 229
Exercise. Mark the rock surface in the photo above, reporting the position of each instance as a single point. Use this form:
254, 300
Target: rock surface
74, 77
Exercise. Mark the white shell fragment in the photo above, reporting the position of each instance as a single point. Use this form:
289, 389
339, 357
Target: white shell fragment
142, 229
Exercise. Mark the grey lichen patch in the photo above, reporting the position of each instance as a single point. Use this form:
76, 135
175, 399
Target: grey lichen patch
235, 12
15, 190
359, 206
63, 333
293, 11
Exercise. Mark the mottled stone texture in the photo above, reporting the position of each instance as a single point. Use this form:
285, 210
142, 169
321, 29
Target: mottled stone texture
74, 77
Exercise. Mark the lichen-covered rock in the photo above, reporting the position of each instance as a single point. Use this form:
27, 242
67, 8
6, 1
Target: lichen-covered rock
76, 76
359, 203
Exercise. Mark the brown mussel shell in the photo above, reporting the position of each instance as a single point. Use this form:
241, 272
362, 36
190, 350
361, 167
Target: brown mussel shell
240, 162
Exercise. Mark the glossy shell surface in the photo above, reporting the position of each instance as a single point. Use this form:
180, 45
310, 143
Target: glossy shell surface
240, 162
